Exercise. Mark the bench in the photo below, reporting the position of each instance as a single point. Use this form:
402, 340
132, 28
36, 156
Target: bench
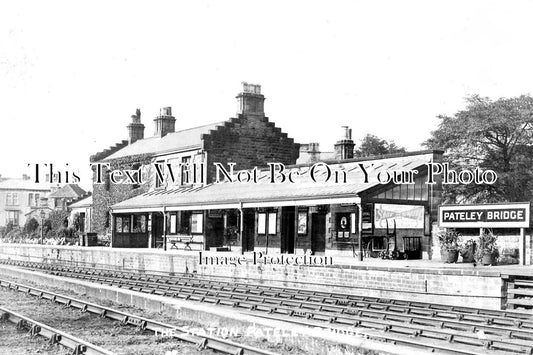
186, 239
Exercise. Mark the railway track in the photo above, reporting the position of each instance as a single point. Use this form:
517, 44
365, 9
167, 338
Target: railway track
54, 336
144, 324
437, 327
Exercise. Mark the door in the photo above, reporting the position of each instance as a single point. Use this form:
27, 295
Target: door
288, 226
157, 229
214, 233
318, 233
248, 231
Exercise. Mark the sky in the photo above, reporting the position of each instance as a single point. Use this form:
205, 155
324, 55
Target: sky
72, 72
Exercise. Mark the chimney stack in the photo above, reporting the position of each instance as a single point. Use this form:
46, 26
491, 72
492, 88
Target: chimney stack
135, 128
250, 100
344, 147
165, 122
312, 151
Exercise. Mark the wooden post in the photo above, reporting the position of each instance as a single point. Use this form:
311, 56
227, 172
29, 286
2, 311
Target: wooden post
360, 230
150, 227
241, 221
522, 247
164, 228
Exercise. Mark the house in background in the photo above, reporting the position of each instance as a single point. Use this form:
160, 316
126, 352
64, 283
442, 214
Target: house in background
60, 198
83, 208
19, 198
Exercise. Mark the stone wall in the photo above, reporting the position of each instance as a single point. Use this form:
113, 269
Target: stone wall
106, 193
475, 288
248, 141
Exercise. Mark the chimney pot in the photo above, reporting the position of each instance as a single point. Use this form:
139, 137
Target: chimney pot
165, 122
250, 100
135, 128
344, 147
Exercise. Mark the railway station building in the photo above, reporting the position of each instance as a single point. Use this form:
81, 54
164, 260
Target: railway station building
165, 191
349, 207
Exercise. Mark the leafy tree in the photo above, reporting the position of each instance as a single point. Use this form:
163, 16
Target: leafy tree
31, 226
373, 145
496, 135
57, 220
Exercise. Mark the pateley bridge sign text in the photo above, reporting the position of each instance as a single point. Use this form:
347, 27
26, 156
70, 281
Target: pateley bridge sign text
512, 215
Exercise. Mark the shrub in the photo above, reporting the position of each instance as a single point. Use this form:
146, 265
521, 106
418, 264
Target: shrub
31, 226
57, 220
9, 227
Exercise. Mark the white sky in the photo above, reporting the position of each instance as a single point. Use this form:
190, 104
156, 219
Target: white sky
72, 73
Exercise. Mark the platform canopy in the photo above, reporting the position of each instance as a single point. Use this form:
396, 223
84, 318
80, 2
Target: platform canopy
361, 175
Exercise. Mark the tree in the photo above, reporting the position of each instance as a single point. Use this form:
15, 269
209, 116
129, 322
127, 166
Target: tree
31, 226
496, 135
372, 145
56, 221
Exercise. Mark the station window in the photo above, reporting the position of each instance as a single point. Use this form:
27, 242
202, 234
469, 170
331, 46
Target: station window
272, 219
185, 170
158, 181
139, 224
197, 222
261, 223
122, 224
267, 223
173, 223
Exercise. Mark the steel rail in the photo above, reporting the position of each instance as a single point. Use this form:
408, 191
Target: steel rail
324, 297
492, 316
54, 336
200, 294
383, 307
496, 337
202, 341
515, 338
391, 338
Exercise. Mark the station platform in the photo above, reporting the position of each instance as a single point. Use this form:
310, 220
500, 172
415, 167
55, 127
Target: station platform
412, 280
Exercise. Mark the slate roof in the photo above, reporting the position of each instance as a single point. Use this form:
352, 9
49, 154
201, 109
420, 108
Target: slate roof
176, 141
303, 188
85, 202
24, 184
68, 191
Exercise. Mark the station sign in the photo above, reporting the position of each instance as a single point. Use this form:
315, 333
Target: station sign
511, 215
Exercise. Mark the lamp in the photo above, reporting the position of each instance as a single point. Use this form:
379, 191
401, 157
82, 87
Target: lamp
43, 214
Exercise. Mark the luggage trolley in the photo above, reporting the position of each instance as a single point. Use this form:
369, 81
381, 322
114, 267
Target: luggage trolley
412, 248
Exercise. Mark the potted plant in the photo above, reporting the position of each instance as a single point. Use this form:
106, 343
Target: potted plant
467, 249
487, 253
449, 247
